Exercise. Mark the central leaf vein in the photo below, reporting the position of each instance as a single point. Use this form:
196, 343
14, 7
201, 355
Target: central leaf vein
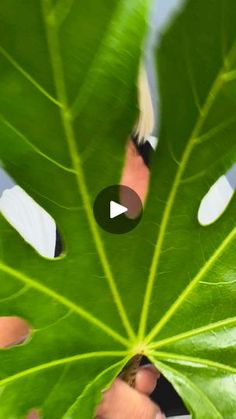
54, 50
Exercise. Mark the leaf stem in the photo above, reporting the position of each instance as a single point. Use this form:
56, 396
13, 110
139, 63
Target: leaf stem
129, 371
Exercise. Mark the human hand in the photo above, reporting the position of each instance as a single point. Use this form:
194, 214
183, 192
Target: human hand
124, 402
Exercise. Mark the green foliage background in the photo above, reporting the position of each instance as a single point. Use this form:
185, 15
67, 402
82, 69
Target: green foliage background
167, 289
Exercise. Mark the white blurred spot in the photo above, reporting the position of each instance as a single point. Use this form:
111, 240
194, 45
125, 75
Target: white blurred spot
180, 417
153, 141
31, 221
215, 201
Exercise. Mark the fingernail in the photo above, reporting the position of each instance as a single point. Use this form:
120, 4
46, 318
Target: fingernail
153, 369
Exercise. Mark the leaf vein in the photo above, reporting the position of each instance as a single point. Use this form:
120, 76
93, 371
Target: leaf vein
194, 387
56, 62
182, 297
24, 73
59, 362
195, 360
63, 300
36, 149
210, 98
194, 332
90, 385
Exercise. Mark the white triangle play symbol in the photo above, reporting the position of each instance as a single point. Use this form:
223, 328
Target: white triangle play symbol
116, 209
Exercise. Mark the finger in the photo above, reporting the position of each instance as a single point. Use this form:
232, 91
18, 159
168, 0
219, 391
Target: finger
124, 402
135, 173
13, 330
146, 379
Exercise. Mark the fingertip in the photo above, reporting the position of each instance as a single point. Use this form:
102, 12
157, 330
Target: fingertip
151, 368
146, 379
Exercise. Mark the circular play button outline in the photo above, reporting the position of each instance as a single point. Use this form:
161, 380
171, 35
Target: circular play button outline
117, 209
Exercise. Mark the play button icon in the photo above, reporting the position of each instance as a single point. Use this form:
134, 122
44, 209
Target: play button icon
117, 209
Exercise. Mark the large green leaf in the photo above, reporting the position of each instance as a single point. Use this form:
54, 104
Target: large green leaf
167, 289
